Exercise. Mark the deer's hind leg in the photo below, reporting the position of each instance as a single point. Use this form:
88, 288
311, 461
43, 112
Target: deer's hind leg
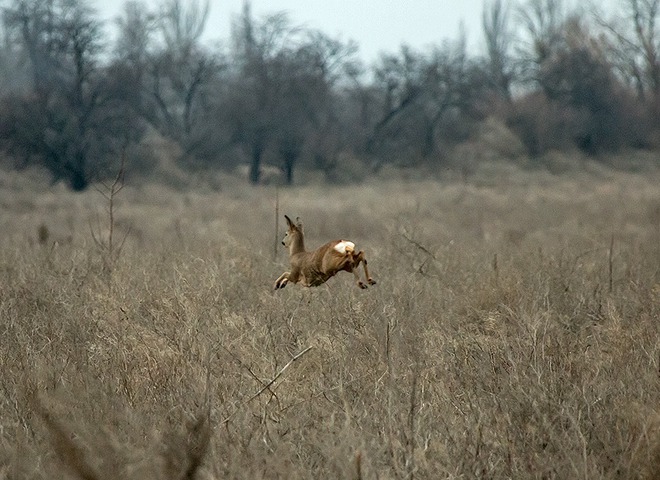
357, 259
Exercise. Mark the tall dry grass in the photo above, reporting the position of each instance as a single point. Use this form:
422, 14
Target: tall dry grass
514, 333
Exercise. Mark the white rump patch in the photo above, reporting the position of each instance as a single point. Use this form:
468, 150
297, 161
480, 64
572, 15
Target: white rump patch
345, 246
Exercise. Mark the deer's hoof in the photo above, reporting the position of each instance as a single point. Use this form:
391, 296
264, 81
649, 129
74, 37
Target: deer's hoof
362, 285
371, 281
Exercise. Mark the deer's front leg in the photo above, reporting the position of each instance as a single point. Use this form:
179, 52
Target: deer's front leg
359, 282
350, 264
281, 281
361, 258
370, 280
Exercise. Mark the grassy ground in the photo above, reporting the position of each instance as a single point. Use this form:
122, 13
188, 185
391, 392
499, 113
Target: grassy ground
514, 332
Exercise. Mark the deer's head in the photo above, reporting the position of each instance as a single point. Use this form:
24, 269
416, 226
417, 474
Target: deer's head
293, 238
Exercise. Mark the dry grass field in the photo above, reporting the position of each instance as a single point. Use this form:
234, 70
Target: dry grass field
514, 331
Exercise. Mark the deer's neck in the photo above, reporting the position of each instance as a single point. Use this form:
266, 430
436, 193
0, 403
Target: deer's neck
297, 245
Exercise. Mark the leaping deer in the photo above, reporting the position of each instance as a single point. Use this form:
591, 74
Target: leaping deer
312, 269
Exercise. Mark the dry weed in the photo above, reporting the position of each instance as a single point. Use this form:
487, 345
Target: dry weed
514, 334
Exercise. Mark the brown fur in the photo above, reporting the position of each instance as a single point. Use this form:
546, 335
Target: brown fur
314, 268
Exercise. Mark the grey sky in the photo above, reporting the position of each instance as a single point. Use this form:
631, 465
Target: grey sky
376, 25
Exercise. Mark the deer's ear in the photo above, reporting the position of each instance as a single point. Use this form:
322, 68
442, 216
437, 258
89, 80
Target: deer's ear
288, 221
299, 223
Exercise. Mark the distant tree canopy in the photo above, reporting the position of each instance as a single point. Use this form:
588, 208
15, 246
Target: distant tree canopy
284, 95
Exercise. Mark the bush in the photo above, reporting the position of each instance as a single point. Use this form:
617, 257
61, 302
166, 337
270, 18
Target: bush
543, 125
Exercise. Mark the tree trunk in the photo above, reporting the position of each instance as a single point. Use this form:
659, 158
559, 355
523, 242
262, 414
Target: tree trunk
289, 148
78, 180
255, 164
288, 170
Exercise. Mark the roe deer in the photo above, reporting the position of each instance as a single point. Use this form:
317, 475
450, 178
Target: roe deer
312, 269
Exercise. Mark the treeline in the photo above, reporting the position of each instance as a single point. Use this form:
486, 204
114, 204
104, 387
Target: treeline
74, 98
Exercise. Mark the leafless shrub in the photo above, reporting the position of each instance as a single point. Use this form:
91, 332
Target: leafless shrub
108, 243
180, 457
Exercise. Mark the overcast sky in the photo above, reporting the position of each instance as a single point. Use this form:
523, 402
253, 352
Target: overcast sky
376, 25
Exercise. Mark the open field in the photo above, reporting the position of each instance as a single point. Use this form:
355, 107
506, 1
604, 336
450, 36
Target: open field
514, 332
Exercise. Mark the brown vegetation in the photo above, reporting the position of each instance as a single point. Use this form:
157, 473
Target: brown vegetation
514, 332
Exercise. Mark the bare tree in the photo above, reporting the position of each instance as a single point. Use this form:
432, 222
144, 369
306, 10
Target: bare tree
13, 74
330, 63
580, 103
399, 79
182, 24
420, 93
309, 116
135, 42
181, 70
499, 41
634, 45
260, 53
63, 122
543, 21
453, 86
32, 25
